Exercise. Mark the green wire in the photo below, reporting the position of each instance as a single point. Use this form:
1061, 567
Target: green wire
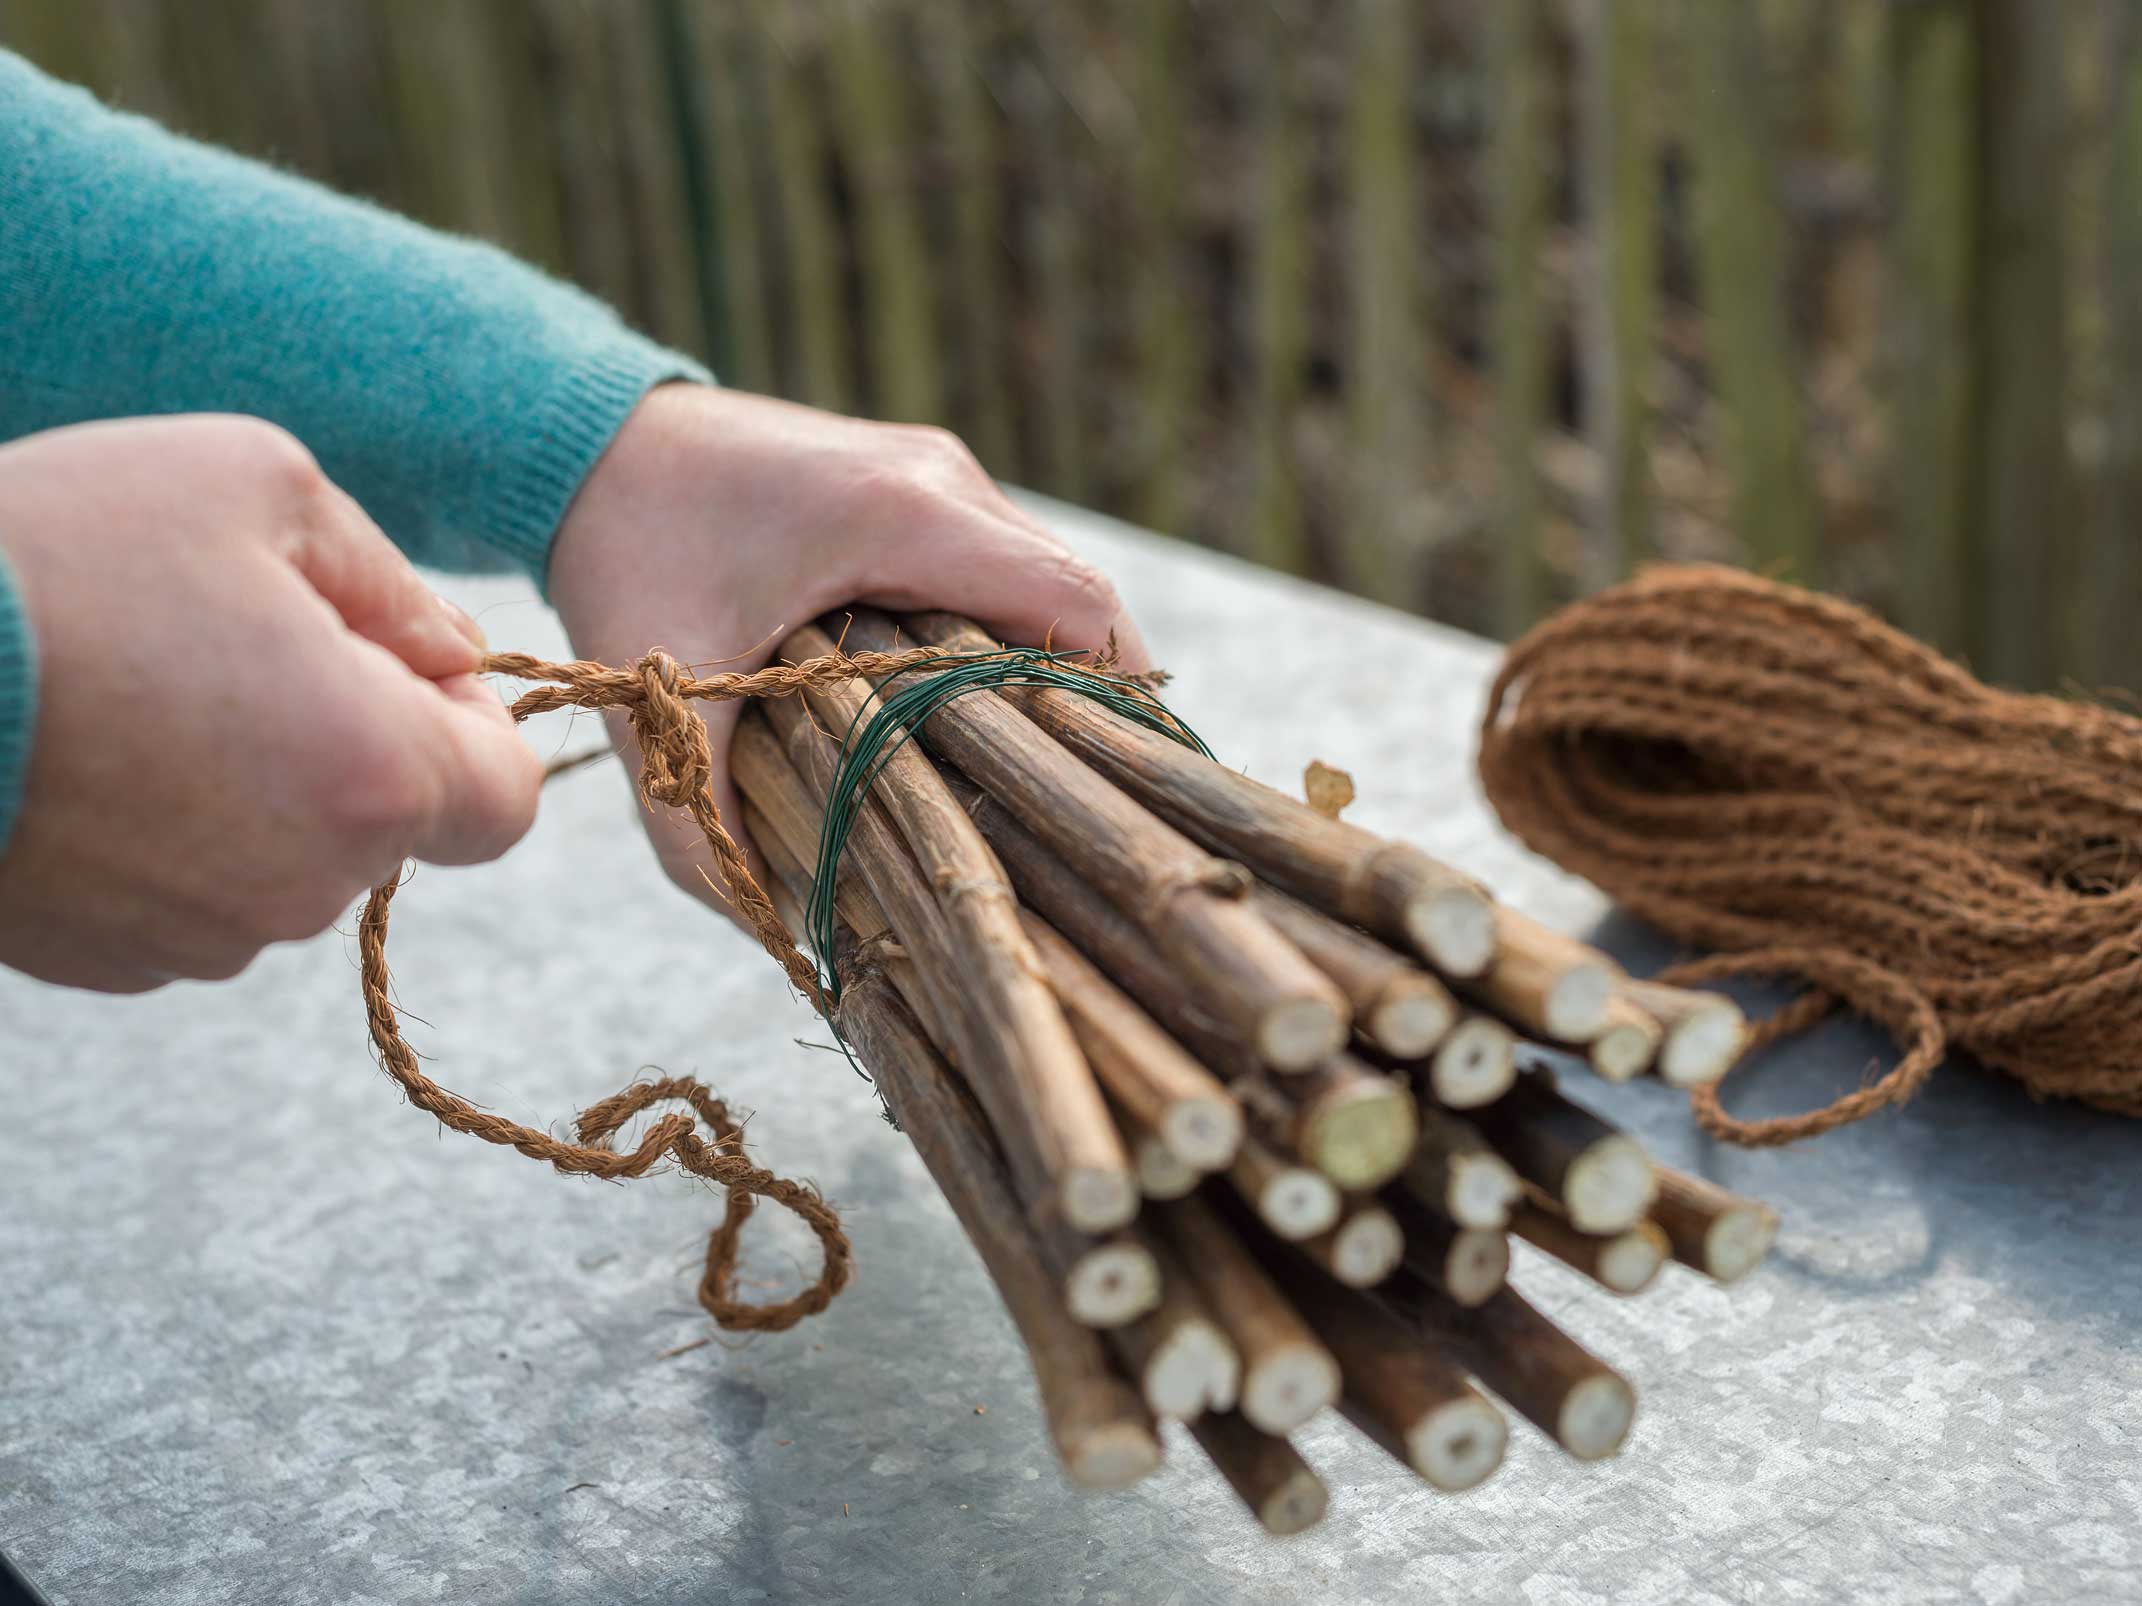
865, 751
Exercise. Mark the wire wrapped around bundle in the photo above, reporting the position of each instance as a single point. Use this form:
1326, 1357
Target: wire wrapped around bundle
1777, 774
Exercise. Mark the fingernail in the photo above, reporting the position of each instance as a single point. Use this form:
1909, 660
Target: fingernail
467, 627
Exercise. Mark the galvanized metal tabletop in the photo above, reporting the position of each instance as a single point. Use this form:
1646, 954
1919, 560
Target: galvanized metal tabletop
268, 1335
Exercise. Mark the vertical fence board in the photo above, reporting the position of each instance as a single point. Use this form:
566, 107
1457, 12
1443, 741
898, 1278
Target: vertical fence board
447, 106
724, 126
663, 240
1932, 379
1520, 163
1387, 352
1279, 289
817, 329
1620, 173
2114, 576
2022, 448
1165, 316
1058, 157
1740, 246
959, 50
583, 142
874, 120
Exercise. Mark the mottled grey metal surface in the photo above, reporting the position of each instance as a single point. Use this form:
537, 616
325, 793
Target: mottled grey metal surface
267, 1335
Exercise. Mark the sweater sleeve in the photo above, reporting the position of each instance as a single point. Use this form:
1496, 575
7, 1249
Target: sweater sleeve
458, 394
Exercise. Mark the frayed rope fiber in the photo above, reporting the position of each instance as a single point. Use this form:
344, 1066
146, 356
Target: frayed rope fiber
676, 770
1778, 775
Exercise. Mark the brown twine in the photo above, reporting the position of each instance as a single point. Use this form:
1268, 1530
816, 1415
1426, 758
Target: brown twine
1779, 775
676, 769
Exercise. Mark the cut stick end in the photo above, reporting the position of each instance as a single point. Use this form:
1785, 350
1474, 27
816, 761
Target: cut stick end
1111, 1284
1630, 1262
1456, 1446
1483, 1188
1161, 1171
1193, 1369
1408, 1024
1595, 1417
1701, 1049
1298, 1204
1367, 1247
1738, 1240
1454, 930
1365, 1141
1203, 1132
1296, 1503
1625, 1050
1576, 1006
1609, 1186
1113, 1456
1477, 1265
1287, 1386
1097, 1199
1298, 1033
1476, 1064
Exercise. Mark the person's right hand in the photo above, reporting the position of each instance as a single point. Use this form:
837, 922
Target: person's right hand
251, 709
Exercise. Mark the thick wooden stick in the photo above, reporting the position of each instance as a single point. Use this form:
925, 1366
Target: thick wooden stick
1474, 1065
1467, 1264
1397, 1005
1287, 1376
1005, 995
1456, 1172
1188, 902
1148, 1072
1291, 1199
1717, 1233
1390, 888
1706, 1033
1352, 1123
1624, 1262
1564, 1390
1106, 1281
1628, 1044
1411, 1398
1050, 1115
1550, 985
1182, 1359
1277, 1485
1364, 1248
1161, 1171
1349, 1121
1599, 1176
790, 893
790, 816
1100, 1427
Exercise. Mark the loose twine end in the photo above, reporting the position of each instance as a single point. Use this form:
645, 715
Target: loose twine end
677, 770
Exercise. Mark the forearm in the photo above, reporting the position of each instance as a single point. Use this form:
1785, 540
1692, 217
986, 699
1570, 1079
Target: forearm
459, 395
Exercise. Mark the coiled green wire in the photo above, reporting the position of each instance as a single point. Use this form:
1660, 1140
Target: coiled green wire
865, 751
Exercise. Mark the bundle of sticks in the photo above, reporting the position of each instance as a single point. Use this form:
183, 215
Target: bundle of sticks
1240, 1103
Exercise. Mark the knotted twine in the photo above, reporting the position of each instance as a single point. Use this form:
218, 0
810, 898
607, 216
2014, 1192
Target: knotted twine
677, 771
1779, 775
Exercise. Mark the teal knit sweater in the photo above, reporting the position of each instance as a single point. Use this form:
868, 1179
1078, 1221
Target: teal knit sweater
458, 394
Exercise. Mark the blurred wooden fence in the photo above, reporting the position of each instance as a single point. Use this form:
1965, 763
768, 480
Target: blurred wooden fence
1465, 307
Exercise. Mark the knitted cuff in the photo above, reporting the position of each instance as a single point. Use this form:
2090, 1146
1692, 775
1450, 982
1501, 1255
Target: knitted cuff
18, 700
569, 428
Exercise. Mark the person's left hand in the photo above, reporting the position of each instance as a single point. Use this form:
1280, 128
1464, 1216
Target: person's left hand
719, 521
